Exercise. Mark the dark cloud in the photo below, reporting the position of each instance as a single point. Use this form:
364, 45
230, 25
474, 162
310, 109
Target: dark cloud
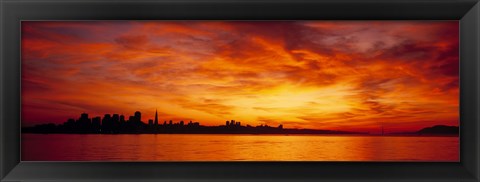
133, 41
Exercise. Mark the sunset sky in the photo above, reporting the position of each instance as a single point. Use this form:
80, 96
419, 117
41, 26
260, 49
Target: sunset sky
342, 75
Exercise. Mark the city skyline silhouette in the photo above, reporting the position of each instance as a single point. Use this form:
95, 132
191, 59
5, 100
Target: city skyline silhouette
117, 124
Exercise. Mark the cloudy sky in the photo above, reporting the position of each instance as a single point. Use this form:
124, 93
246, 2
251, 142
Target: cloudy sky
345, 75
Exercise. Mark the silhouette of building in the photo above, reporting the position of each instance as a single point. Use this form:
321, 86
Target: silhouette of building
138, 116
106, 124
122, 119
115, 118
69, 125
96, 124
83, 124
83, 116
115, 123
156, 118
150, 122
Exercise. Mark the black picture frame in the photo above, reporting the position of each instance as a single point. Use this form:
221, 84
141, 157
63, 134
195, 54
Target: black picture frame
13, 11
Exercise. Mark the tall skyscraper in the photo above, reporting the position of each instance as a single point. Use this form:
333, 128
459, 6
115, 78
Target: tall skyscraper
115, 119
138, 116
122, 119
156, 118
83, 116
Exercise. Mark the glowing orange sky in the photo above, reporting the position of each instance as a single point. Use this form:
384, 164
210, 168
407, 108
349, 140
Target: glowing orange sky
345, 75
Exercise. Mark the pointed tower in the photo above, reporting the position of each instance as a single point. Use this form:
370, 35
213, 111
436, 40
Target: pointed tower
156, 118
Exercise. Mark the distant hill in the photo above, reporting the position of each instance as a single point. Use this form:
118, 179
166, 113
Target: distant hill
439, 130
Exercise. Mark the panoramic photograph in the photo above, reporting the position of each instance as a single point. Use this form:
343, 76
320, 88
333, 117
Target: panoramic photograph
240, 91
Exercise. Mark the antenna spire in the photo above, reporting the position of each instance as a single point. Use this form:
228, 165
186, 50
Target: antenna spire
156, 117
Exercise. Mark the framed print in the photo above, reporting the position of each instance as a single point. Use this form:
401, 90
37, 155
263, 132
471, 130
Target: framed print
240, 90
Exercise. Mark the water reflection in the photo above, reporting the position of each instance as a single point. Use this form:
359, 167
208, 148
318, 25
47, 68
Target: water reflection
179, 147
